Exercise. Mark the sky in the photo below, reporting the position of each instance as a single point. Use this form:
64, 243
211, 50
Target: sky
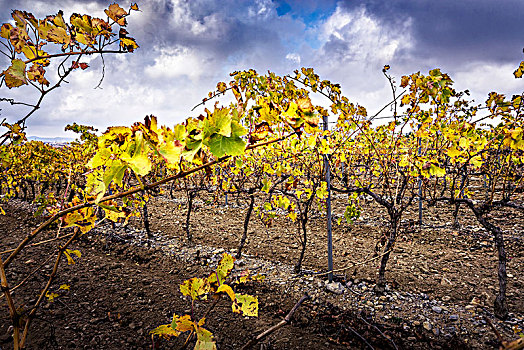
186, 47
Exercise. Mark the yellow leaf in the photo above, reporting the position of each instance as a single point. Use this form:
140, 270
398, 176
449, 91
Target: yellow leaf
205, 340
228, 290
476, 161
464, 142
182, 324
245, 304
5, 30
195, 287
128, 44
453, 152
70, 260
165, 331
436, 170
15, 74
117, 14
51, 296
304, 104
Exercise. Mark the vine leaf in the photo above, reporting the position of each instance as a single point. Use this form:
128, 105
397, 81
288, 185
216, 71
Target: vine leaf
228, 290
36, 73
221, 145
81, 65
117, 14
223, 269
54, 29
69, 252
51, 296
165, 331
205, 340
31, 52
194, 287
128, 44
245, 304
437, 171
183, 323
15, 74
519, 71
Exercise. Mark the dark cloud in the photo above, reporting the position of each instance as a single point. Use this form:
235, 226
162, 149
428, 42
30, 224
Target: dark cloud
468, 30
187, 46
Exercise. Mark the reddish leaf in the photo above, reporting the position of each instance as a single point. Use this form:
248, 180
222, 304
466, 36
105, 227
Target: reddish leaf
117, 14
81, 65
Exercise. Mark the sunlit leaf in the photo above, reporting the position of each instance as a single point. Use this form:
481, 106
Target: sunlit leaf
245, 304
436, 171
183, 323
15, 74
194, 287
228, 290
165, 331
128, 44
117, 14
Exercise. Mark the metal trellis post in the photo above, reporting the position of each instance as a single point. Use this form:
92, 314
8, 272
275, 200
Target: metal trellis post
328, 207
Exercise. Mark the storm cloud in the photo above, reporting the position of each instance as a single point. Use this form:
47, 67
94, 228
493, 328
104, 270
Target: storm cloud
186, 47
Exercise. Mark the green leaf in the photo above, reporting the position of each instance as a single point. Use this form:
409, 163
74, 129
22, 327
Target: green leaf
220, 145
191, 150
234, 145
115, 172
219, 122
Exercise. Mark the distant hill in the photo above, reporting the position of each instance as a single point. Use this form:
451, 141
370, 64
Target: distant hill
51, 139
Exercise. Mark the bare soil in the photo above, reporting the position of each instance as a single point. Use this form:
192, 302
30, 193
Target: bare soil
125, 284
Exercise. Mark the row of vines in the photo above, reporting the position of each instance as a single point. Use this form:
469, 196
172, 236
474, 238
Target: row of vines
267, 148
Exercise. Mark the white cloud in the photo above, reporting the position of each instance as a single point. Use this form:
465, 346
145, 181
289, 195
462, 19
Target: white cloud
357, 36
186, 46
293, 57
482, 78
261, 9
177, 61
183, 17
354, 46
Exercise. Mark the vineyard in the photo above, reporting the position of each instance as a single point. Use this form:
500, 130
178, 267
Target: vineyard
267, 222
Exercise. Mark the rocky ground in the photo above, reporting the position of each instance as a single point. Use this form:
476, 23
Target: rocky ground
441, 282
